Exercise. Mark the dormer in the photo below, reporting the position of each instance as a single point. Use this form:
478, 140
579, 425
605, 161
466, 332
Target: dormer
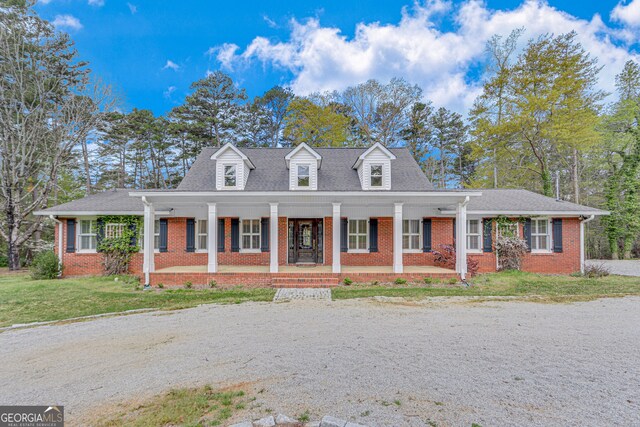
303, 163
374, 168
232, 168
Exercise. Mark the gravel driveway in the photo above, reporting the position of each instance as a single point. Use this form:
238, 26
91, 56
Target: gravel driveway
630, 267
452, 363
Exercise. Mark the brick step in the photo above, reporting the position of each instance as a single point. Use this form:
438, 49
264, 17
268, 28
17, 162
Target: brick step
304, 282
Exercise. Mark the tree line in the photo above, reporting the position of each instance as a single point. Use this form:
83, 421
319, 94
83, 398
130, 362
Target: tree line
540, 119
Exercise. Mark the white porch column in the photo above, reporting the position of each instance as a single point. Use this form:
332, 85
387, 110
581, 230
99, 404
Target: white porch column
582, 242
461, 238
336, 265
148, 264
212, 238
397, 238
273, 238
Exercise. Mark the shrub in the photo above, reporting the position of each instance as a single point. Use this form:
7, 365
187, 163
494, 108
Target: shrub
118, 251
375, 283
510, 251
45, 265
188, 285
400, 281
596, 271
347, 281
4, 261
213, 284
453, 281
160, 285
447, 258
427, 280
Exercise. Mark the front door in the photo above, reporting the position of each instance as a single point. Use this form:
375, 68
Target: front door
305, 241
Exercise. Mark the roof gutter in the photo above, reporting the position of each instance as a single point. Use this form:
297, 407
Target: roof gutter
305, 193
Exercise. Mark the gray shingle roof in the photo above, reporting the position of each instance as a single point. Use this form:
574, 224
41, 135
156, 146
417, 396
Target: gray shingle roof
517, 200
107, 201
335, 174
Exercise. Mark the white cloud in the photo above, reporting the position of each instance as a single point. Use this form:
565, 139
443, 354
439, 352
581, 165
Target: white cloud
97, 3
170, 65
627, 13
132, 8
270, 22
44, 1
67, 21
419, 50
167, 93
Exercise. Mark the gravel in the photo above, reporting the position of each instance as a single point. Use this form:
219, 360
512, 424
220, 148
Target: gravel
375, 363
621, 267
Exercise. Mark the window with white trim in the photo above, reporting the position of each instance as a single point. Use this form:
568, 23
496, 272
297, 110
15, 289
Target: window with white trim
509, 229
156, 235
250, 234
201, 235
230, 178
304, 179
474, 234
358, 234
410, 234
87, 240
376, 175
540, 235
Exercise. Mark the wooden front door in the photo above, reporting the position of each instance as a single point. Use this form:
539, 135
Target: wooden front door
305, 241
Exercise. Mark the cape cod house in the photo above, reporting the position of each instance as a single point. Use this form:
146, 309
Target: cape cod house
296, 216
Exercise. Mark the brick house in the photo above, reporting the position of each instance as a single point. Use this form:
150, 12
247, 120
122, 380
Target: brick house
290, 216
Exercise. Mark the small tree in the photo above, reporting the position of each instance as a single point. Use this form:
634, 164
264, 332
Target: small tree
118, 249
510, 251
446, 257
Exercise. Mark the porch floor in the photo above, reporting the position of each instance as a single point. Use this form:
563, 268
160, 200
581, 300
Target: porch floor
311, 269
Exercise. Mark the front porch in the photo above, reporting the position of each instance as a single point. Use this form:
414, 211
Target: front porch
292, 275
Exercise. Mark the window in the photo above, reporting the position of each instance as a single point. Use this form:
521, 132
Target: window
411, 234
540, 235
229, 175
87, 237
201, 235
303, 175
156, 236
357, 234
376, 175
251, 234
474, 234
113, 231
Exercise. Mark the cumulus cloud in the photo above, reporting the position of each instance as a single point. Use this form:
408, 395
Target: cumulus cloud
627, 13
418, 49
170, 65
97, 3
67, 21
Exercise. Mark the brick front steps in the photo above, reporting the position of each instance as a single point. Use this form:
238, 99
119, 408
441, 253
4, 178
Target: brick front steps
285, 280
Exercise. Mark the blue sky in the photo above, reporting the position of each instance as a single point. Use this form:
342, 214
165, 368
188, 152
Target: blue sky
150, 51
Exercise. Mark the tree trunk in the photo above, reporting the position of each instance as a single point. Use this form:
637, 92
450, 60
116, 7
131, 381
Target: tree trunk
575, 176
495, 168
87, 169
13, 254
627, 245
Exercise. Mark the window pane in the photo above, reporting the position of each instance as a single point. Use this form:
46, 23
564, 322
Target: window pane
405, 242
405, 226
85, 242
202, 226
542, 226
473, 226
303, 181
85, 227
352, 242
543, 243
474, 242
156, 226
376, 181
246, 227
255, 226
362, 242
376, 170
362, 226
255, 242
246, 242
414, 226
415, 242
156, 242
353, 227
303, 170
202, 242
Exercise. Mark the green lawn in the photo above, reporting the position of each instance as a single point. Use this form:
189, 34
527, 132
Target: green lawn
23, 300
507, 284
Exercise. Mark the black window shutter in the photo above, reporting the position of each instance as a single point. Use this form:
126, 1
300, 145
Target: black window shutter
71, 235
527, 233
373, 235
344, 228
487, 238
557, 234
191, 235
235, 235
221, 235
426, 234
133, 240
99, 232
264, 234
164, 231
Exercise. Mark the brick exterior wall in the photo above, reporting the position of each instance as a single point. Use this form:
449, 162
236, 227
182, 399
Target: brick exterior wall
79, 264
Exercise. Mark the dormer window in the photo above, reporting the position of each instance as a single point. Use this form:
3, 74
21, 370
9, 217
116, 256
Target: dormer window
376, 175
303, 175
230, 179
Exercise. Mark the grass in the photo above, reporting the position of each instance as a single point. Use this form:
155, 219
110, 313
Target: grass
23, 300
201, 406
508, 284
